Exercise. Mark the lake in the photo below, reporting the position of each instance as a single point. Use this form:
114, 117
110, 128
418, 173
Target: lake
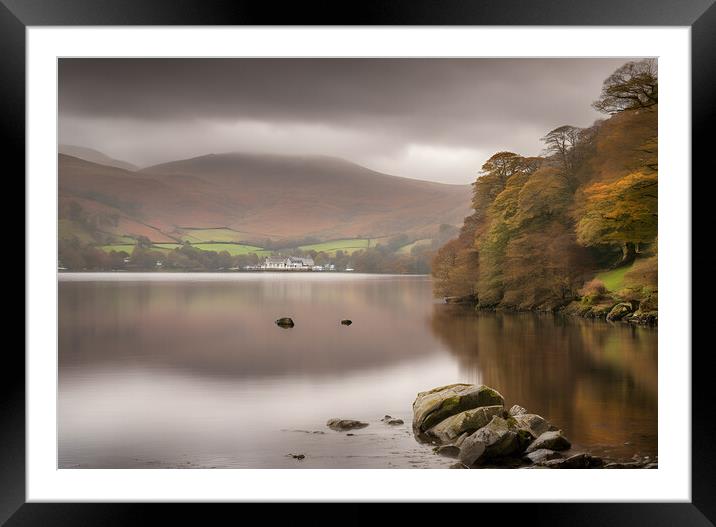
190, 370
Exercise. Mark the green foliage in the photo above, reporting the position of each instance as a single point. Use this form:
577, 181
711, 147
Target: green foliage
346, 245
613, 279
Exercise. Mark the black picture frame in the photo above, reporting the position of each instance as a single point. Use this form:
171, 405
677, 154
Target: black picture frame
17, 15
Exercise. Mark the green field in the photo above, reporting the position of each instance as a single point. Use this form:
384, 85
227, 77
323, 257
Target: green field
347, 245
220, 234
614, 279
232, 248
405, 249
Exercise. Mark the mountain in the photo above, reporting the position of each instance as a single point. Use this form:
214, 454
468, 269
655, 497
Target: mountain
261, 196
94, 156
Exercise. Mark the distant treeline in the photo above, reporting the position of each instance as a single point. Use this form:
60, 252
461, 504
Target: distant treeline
74, 255
543, 227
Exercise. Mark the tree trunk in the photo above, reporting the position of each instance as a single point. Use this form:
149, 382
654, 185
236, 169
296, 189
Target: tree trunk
628, 254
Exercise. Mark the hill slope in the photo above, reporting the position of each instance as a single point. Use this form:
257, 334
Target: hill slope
94, 156
261, 196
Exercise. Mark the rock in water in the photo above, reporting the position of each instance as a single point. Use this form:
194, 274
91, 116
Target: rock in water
469, 421
285, 322
543, 454
575, 461
550, 440
341, 425
619, 311
498, 439
431, 407
346, 322
534, 423
448, 451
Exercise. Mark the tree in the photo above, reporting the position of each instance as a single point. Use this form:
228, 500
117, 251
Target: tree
560, 142
634, 85
621, 213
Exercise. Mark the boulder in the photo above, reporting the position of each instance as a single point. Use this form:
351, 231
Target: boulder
346, 322
533, 423
471, 449
340, 425
575, 461
619, 311
517, 410
285, 322
543, 454
448, 451
448, 430
431, 407
551, 440
628, 464
498, 439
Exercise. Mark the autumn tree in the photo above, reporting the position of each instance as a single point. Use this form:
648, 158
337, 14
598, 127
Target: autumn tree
633, 85
561, 143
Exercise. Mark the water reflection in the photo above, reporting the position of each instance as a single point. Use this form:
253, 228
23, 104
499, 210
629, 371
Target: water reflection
597, 381
226, 327
188, 370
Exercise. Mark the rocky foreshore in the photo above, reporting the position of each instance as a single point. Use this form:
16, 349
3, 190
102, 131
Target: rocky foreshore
611, 311
470, 423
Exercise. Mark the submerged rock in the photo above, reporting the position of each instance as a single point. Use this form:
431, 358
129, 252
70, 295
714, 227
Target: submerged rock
543, 454
342, 425
433, 406
552, 440
575, 461
285, 322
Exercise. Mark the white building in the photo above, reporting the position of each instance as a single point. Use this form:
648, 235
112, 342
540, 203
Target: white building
291, 263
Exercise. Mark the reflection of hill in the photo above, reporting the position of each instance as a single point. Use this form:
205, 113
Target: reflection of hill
226, 327
589, 377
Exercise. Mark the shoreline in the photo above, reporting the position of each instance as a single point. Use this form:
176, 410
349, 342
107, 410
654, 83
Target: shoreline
614, 311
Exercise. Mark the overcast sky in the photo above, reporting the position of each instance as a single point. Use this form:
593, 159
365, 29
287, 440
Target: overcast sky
435, 119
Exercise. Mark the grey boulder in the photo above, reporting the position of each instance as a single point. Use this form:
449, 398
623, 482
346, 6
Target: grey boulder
341, 425
534, 423
575, 461
498, 439
551, 440
543, 454
450, 429
433, 406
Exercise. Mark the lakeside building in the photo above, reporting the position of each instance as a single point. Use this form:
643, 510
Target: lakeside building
292, 263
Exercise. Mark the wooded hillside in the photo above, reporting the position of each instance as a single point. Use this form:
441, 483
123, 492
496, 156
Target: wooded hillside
545, 229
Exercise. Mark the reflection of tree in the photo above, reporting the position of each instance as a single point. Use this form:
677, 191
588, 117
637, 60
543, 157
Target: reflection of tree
597, 381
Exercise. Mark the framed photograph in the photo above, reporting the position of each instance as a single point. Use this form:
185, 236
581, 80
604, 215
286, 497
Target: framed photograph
414, 254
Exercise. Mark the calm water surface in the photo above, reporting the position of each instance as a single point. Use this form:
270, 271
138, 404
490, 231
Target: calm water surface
189, 370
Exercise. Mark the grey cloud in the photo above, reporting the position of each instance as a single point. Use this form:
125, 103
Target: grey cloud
428, 118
